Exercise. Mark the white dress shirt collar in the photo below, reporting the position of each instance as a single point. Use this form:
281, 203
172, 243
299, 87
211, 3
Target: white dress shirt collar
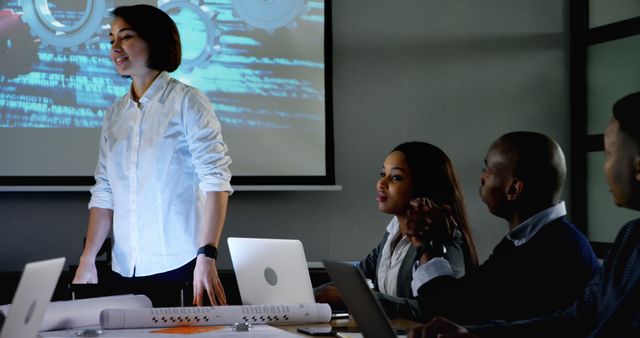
158, 85
393, 227
527, 229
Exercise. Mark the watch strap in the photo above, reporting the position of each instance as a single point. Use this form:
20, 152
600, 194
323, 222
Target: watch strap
209, 251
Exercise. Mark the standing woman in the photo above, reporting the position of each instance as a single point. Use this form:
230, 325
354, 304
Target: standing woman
162, 179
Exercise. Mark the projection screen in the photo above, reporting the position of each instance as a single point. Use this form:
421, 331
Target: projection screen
264, 64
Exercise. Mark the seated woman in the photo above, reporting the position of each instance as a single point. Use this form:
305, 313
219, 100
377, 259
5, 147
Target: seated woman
411, 170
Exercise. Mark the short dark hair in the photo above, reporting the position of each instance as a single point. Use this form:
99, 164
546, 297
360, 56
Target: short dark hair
434, 177
627, 112
158, 30
536, 159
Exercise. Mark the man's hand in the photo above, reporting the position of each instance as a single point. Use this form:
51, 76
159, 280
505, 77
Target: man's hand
429, 222
328, 294
205, 279
440, 327
86, 273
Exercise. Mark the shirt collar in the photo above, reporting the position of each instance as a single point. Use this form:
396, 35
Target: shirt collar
155, 89
394, 226
527, 229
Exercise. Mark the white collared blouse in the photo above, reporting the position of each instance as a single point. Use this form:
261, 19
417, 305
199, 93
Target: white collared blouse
157, 161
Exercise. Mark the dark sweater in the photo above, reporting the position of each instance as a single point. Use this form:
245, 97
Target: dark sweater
609, 306
539, 277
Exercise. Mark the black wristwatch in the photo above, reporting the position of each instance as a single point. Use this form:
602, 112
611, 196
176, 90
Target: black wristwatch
209, 251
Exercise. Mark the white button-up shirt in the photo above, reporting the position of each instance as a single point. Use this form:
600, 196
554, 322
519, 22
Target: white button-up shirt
391, 259
157, 160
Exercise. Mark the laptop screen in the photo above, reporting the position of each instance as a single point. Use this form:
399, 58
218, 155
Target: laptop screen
31, 299
271, 271
362, 304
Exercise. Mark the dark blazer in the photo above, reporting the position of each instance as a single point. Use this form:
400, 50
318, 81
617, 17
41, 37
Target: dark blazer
404, 305
609, 306
545, 274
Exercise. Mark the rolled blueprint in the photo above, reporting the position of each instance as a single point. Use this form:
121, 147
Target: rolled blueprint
84, 312
215, 315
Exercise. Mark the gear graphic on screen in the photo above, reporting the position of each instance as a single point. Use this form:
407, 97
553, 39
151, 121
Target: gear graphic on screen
269, 14
209, 19
18, 49
52, 31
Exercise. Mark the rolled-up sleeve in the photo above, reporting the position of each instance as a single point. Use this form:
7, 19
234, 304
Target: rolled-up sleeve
101, 194
209, 152
423, 273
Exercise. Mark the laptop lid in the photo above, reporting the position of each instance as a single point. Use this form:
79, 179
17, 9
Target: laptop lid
31, 299
361, 303
271, 271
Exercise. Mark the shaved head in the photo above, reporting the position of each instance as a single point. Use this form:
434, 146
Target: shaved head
536, 159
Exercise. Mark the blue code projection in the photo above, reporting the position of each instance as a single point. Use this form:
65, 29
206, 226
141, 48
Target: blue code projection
261, 63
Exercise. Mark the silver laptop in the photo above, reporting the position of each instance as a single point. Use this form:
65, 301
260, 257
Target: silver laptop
271, 271
36, 286
361, 303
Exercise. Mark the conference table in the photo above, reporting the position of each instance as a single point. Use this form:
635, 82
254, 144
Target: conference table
92, 307
345, 327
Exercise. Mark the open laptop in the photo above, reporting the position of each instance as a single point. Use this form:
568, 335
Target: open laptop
271, 271
31, 299
361, 303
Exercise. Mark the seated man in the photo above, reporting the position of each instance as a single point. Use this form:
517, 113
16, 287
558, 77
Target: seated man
609, 304
543, 262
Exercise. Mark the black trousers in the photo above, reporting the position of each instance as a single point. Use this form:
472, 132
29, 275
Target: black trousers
166, 289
